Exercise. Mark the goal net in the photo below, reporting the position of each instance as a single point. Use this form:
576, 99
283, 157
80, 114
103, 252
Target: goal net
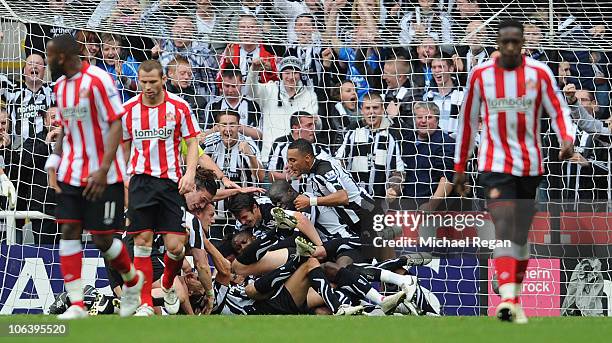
368, 68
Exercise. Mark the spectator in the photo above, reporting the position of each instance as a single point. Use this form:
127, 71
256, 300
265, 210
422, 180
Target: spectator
428, 161
588, 101
39, 34
28, 102
421, 66
90, 46
53, 129
6, 86
250, 49
307, 47
232, 99
5, 136
399, 93
180, 82
264, 13
277, 99
25, 166
238, 157
208, 24
339, 115
601, 83
476, 52
583, 117
362, 63
369, 151
425, 20
302, 126
203, 61
130, 16
445, 93
235, 154
585, 176
124, 70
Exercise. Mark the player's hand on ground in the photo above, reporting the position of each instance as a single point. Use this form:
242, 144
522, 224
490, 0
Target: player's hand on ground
301, 202
209, 304
459, 184
567, 150
96, 184
187, 183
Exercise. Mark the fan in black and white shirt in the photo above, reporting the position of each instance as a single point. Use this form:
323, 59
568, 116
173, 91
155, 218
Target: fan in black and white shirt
232, 99
302, 126
235, 154
28, 103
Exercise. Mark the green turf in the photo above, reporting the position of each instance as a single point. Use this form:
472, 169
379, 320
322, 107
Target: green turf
317, 329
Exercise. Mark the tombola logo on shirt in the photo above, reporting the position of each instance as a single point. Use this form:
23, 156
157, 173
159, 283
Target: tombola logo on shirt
159, 133
521, 104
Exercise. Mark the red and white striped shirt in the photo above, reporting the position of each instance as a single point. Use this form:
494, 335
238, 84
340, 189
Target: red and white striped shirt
511, 102
87, 103
156, 134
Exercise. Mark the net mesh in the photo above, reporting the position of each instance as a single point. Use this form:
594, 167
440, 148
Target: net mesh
380, 46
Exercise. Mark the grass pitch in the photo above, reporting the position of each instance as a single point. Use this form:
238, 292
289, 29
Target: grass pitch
317, 329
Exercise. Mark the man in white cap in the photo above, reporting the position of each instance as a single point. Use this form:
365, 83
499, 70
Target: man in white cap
278, 99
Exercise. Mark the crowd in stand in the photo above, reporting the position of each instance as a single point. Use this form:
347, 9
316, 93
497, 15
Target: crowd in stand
377, 84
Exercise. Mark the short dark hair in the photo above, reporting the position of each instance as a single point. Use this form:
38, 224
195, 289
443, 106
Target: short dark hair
66, 44
151, 65
282, 194
241, 202
294, 120
444, 57
219, 113
303, 146
231, 71
510, 23
205, 179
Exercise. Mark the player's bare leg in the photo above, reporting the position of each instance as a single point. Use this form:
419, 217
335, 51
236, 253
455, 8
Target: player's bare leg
143, 243
173, 261
71, 262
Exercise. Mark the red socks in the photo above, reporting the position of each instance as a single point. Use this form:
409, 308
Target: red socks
119, 259
71, 262
142, 262
173, 264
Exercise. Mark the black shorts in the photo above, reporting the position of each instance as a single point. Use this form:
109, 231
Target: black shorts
499, 186
280, 303
155, 205
103, 216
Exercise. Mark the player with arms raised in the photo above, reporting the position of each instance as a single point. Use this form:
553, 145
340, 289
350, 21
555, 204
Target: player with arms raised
154, 124
86, 170
511, 92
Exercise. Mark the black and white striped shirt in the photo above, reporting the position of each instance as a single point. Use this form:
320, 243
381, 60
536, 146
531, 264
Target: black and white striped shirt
196, 232
326, 177
371, 156
231, 300
234, 164
328, 223
27, 110
249, 110
278, 153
